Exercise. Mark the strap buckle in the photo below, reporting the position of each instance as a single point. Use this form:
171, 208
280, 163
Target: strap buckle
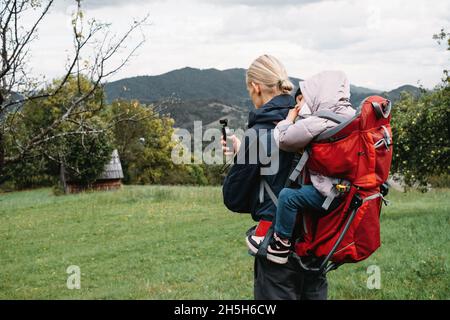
342, 188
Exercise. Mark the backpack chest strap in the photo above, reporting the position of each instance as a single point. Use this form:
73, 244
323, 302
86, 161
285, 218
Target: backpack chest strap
299, 167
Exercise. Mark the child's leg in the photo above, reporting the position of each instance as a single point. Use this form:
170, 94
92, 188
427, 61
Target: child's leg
290, 201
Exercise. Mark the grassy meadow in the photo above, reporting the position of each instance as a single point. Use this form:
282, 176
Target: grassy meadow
155, 242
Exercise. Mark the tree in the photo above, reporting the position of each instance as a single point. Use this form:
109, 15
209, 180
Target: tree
78, 148
84, 157
143, 139
421, 131
17, 89
145, 147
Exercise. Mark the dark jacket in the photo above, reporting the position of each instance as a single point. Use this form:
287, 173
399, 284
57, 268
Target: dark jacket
242, 184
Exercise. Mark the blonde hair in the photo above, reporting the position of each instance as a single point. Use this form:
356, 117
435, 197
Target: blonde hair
269, 72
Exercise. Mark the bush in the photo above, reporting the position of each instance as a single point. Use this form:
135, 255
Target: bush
421, 133
441, 181
185, 175
421, 136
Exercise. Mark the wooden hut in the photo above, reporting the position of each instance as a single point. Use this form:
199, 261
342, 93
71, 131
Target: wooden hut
110, 179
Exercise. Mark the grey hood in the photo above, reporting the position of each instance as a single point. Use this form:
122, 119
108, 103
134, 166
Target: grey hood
328, 90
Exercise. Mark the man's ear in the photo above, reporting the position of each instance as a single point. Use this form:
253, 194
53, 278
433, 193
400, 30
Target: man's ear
256, 87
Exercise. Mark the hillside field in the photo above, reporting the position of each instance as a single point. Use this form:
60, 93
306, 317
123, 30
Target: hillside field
152, 242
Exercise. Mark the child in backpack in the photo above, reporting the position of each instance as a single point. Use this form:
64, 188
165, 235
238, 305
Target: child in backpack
328, 90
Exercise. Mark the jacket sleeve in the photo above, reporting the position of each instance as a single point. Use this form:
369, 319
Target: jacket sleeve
239, 187
292, 137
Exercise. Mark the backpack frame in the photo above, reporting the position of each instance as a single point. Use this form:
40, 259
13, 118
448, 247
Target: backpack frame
351, 232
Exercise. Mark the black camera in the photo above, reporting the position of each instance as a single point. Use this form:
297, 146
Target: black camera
226, 134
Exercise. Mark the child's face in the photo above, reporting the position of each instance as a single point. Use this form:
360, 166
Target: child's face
300, 102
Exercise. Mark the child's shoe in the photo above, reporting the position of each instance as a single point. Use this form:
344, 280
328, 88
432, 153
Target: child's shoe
253, 243
278, 250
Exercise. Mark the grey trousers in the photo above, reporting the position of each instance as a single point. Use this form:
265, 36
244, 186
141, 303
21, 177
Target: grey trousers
287, 282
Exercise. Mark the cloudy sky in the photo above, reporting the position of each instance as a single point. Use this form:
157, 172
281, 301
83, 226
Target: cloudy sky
381, 44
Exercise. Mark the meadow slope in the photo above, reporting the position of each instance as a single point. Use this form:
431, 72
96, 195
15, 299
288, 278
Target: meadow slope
152, 242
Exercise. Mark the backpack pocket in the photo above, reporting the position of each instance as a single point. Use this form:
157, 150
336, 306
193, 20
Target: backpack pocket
337, 159
382, 138
363, 236
367, 229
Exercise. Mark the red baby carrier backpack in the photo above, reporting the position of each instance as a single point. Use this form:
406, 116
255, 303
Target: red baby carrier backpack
357, 154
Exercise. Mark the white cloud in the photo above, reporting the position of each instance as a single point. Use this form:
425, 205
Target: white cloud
381, 44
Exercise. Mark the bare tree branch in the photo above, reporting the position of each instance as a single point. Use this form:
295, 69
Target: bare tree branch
13, 76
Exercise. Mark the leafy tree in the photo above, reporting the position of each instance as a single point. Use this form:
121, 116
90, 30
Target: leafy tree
144, 141
84, 156
421, 131
80, 146
145, 148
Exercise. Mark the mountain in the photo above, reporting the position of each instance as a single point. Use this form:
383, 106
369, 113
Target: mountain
185, 112
208, 95
185, 84
395, 94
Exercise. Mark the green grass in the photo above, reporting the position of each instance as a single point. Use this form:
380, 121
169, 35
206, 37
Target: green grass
181, 243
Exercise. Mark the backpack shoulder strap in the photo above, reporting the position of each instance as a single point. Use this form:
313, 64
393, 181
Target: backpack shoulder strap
329, 115
264, 186
299, 167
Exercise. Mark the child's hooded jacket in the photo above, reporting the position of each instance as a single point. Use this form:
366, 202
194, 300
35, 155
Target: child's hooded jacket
328, 90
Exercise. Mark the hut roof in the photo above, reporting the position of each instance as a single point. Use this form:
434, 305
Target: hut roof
113, 170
